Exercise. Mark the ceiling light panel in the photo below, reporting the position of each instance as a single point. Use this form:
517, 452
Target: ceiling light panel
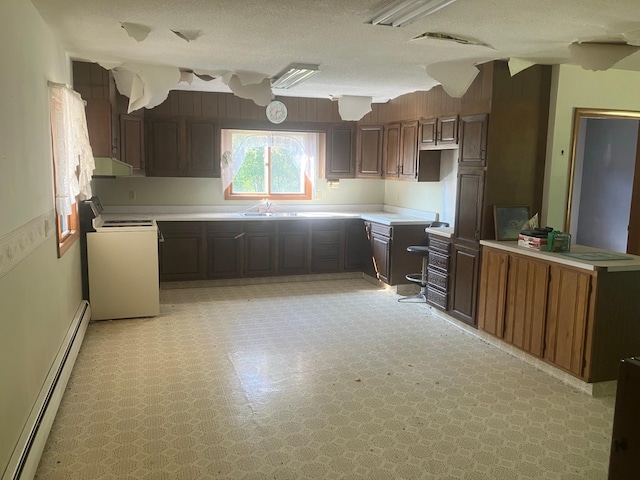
403, 12
294, 74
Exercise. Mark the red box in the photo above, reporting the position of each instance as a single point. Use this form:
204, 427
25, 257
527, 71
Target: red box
534, 243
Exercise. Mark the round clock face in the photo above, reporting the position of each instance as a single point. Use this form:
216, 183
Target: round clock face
276, 112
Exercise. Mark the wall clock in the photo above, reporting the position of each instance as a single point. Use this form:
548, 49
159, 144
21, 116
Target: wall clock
276, 111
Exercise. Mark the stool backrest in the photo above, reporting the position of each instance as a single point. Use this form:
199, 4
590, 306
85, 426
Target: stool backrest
439, 224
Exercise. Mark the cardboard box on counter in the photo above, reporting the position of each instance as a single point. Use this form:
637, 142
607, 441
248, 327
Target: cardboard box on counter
534, 243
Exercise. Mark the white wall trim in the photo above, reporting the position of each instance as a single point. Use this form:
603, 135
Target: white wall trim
28, 450
19, 244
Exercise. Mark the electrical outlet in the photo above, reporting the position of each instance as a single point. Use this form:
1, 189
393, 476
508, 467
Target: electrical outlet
132, 194
318, 195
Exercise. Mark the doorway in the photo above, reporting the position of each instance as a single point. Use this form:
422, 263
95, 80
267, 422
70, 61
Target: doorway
604, 194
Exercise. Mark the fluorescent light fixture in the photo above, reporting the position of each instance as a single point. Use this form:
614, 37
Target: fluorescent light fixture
403, 12
293, 75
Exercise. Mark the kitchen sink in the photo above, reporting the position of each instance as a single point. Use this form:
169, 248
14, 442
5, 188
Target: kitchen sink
268, 214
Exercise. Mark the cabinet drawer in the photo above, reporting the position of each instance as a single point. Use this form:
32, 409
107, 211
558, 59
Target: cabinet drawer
384, 230
439, 261
180, 227
267, 226
437, 298
324, 264
439, 245
332, 251
320, 225
224, 227
326, 238
438, 279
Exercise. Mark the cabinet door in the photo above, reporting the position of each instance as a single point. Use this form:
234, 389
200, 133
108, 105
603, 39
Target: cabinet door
391, 148
340, 159
381, 250
202, 156
492, 292
465, 278
164, 147
293, 247
182, 254
567, 312
259, 249
225, 250
470, 195
132, 141
526, 304
473, 140
447, 130
428, 132
369, 155
357, 249
409, 150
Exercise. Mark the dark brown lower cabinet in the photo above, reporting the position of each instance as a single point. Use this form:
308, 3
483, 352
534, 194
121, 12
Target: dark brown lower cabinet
236, 249
466, 263
293, 247
182, 253
327, 243
225, 249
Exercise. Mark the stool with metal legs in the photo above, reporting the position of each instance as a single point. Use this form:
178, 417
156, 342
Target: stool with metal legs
420, 278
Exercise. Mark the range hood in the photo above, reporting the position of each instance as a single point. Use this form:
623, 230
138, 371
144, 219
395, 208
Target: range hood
111, 167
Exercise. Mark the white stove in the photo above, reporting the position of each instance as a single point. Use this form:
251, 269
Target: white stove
123, 267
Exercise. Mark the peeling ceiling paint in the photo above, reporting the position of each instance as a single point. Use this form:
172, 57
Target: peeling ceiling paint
355, 58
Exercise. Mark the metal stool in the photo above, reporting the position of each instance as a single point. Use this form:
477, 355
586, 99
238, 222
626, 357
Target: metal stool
421, 277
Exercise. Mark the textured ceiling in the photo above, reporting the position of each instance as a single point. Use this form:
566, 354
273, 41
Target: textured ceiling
355, 58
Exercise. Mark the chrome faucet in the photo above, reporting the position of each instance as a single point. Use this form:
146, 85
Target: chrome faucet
267, 205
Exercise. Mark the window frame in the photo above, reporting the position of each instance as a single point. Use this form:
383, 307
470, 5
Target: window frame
67, 237
308, 186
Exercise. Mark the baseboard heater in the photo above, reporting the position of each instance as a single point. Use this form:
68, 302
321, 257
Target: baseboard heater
28, 450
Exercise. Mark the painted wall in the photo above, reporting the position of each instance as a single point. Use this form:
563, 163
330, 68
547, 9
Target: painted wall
574, 87
39, 295
208, 192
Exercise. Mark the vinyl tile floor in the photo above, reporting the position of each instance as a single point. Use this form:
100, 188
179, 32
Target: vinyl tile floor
331, 379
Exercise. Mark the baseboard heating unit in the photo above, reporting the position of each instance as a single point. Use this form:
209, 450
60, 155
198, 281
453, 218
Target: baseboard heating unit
28, 450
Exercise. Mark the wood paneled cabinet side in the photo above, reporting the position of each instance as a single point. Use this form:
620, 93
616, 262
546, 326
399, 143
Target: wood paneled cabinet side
391, 150
492, 292
525, 315
567, 313
369, 151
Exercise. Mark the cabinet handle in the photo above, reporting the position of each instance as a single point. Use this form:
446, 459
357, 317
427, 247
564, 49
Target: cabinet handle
240, 235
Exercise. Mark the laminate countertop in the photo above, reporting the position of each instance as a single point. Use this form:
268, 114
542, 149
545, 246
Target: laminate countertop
580, 256
382, 217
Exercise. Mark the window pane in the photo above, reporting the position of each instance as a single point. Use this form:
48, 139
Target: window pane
251, 176
286, 174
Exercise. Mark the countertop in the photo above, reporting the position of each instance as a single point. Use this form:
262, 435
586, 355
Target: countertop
442, 231
384, 217
631, 264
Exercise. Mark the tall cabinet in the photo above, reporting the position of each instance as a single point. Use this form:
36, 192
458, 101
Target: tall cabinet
501, 162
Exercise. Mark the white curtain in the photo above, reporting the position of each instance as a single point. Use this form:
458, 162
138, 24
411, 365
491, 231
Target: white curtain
72, 154
233, 155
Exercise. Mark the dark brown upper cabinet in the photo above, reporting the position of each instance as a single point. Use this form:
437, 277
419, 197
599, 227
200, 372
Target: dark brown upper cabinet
473, 147
391, 150
409, 150
340, 158
132, 141
179, 147
428, 132
447, 130
437, 133
369, 151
